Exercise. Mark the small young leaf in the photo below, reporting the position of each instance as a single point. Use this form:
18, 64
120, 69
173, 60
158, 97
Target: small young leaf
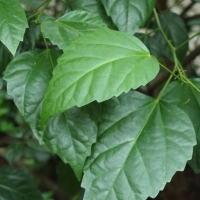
71, 26
188, 99
27, 79
129, 15
12, 24
17, 184
141, 143
77, 132
98, 66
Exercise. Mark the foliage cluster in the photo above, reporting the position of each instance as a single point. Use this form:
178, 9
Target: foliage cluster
109, 86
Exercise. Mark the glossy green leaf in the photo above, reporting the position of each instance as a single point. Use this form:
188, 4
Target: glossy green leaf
14, 152
188, 99
129, 15
71, 135
98, 66
141, 143
71, 26
94, 6
12, 24
16, 184
176, 32
27, 79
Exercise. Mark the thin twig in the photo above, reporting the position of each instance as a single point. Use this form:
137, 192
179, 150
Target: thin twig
187, 8
187, 19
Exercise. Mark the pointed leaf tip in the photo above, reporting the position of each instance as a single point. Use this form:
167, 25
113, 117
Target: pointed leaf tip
12, 24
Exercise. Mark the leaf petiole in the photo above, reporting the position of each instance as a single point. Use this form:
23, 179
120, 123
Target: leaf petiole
46, 3
186, 41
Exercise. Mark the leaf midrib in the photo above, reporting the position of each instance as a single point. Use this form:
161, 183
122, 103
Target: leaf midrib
62, 24
93, 69
152, 110
33, 67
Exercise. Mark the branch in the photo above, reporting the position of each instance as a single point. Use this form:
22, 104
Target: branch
161, 5
186, 19
191, 56
187, 8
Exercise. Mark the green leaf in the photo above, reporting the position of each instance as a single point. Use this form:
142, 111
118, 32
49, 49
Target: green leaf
17, 184
188, 99
14, 152
28, 76
71, 26
77, 132
12, 24
27, 79
176, 32
141, 143
129, 15
94, 6
98, 66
